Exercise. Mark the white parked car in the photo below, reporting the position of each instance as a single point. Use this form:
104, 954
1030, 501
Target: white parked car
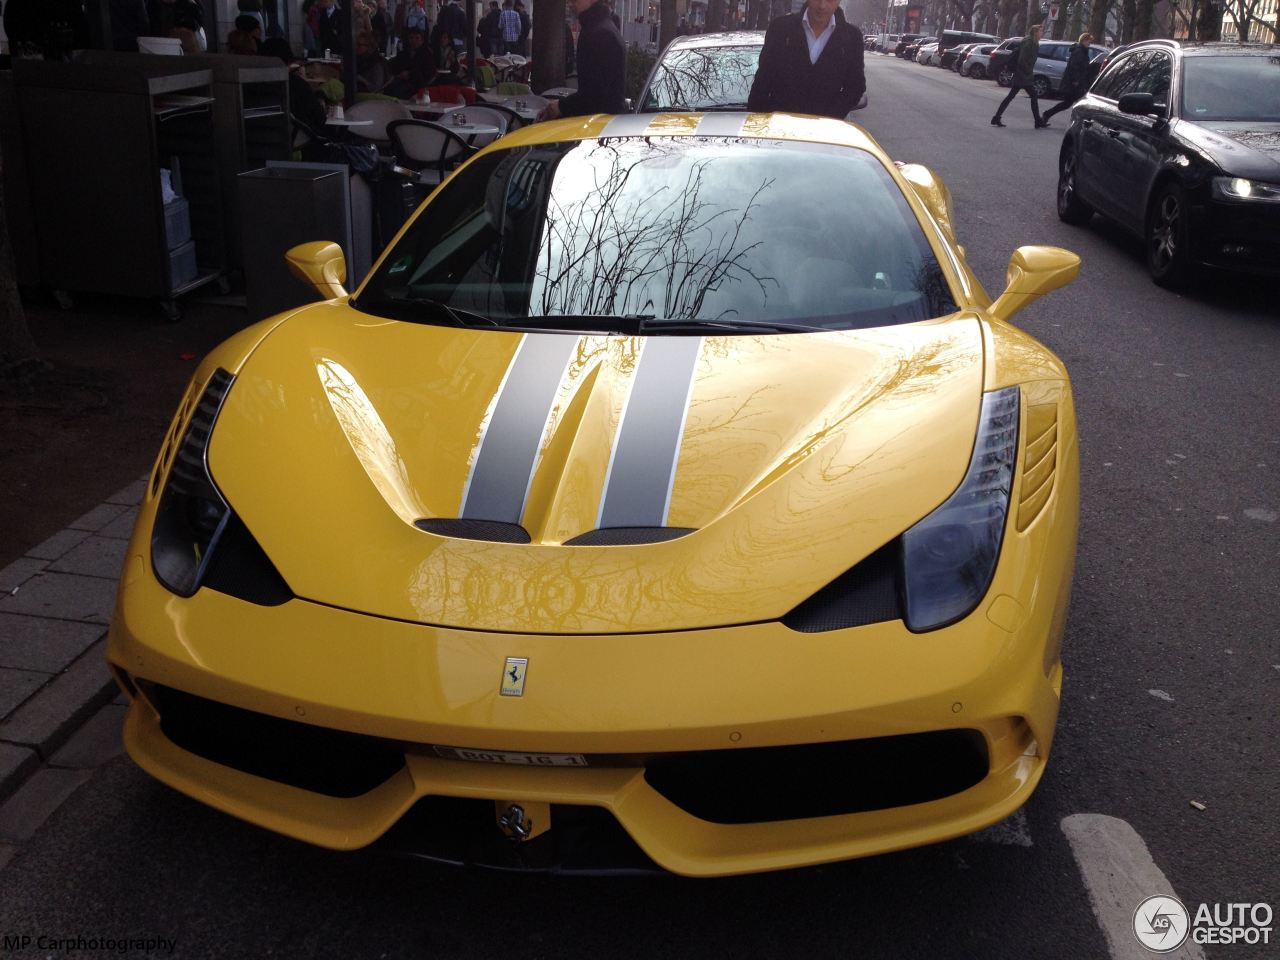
976, 60
928, 54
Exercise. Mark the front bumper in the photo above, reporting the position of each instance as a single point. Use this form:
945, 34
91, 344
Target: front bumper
1243, 235
997, 673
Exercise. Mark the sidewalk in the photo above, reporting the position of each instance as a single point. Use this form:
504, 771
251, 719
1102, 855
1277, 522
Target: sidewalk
55, 605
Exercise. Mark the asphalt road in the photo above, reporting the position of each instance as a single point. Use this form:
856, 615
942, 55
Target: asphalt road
1172, 673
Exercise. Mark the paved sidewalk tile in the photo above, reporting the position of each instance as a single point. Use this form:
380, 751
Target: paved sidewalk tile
16, 686
19, 572
65, 596
98, 556
131, 495
122, 526
43, 644
16, 764
49, 718
98, 517
7, 850
61, 542
23, 813
95, 743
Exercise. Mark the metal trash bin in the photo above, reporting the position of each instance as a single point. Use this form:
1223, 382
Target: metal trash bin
281, 207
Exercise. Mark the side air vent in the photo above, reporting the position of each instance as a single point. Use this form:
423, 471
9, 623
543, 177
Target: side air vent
627, 536
170, 447
868, 593
241, 568
494, 531
1039, 461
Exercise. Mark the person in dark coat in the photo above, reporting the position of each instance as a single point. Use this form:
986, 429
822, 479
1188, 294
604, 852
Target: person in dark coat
602, 66
1075, 79
811, 62
413, 68
1024, 77
490, 34
304, 105
526, 27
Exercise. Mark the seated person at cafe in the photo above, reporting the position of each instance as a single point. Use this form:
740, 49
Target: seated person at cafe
413, 68
303, 102
371, 67
446, 53
246, 36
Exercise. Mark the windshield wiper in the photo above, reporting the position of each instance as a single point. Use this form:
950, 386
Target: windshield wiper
456, 316
643, 324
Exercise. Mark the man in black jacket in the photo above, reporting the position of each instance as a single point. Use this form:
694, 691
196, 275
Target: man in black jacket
1075, 79
602, 66
811, 63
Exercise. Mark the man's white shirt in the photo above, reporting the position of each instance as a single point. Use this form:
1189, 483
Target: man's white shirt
818, 43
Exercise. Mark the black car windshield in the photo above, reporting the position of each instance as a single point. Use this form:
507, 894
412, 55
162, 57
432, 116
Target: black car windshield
737, 234
703, 78
1231, 88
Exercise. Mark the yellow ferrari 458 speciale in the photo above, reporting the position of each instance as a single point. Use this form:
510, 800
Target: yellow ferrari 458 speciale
669, 495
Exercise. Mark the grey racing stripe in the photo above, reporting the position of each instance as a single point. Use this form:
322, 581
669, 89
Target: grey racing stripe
721, 124
628, 125
508, 449
637, 487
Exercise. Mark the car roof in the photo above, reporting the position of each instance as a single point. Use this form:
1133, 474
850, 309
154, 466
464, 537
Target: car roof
1209, 48
743, 125
734, 38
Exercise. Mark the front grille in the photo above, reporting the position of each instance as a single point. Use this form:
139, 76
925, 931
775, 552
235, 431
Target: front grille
460, 528
331, 762
627, 536
762, 784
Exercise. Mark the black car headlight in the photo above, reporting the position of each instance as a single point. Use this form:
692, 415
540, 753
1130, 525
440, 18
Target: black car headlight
949, 557
1238, 188
192, 513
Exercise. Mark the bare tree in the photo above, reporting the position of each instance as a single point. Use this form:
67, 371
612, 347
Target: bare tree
548, 44
1144, 14
715, 15
666, 23
1098, 18
1245, 13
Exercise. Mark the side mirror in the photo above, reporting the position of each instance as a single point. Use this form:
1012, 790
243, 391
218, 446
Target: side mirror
1143, 104
930, 188
1033, 272
320, 263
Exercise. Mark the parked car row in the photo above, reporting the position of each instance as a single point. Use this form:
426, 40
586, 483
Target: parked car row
983, 56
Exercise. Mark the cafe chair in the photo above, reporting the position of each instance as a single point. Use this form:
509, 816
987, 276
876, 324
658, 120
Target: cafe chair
499, 117
424, 151
381, 112
452, 93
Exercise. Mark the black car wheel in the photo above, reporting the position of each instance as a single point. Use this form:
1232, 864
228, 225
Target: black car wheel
979, 71
1041, 86
1071, 209
1004, 77
1168, 239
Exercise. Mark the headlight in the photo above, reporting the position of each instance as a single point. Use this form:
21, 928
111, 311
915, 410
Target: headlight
1238, 188
192, 514
950, 556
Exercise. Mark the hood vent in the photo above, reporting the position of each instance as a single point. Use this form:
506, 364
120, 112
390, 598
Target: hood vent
868, 593
494, 531
627, 536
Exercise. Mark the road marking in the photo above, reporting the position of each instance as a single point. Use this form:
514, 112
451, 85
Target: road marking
1161, 695
1119, 874
1012, 831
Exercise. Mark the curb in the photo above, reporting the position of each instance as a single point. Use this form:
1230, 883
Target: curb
56, 604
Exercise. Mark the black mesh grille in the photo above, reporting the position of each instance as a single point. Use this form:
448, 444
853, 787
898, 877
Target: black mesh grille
758, 785
627, 536
461, 529
332, 762
868, 593
239, 567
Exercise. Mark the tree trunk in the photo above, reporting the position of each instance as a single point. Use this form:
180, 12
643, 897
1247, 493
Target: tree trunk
1077, 20
715, 15
667, 22
18, 349
548, 41
1142, 23
1098, 19
1210, 25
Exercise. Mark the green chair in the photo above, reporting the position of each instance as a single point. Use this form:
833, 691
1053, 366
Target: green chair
510, 88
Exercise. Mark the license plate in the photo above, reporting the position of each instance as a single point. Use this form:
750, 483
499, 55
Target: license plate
519, 759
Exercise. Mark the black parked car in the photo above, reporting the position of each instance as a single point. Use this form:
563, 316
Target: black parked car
1003, 58
906, 41
1180, 143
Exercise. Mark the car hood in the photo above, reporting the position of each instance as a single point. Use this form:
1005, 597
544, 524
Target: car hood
1241, 149
788, 457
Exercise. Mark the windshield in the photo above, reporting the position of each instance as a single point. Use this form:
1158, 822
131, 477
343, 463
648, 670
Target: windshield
668, 229
702, 78
1231, 88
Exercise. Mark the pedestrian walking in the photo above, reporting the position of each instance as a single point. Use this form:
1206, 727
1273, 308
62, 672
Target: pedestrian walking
526, 27
1075, 79
509, 24
811, 62
1024, 77
602, 65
